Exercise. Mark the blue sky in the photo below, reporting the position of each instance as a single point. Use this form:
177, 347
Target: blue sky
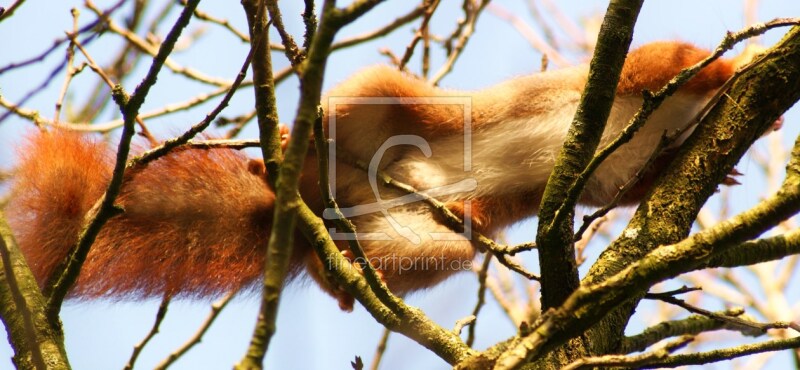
312, 332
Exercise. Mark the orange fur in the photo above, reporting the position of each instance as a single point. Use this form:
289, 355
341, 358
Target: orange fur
180, 234
59, 180
653, 65
196, 222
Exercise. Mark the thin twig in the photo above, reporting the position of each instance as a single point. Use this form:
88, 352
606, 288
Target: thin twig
160, 314
482, 274
692, 325
461, 323
547, 31
203, 16
71, 69
530, 35
223, 143
747, 327
726, 354
56, 70
147, 48
585, 238
173, 143
238, 123
49, 78
430, 7
293, 53
7, 12
121, 65
370, 274
566, 24
380, 349
216, 308
383, 31
631, 361
100, 72
672, 293
59, 41
472, 18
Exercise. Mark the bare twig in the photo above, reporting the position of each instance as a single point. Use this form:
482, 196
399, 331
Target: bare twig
583, 242
383, 31
461, 323
71, 69
566, 24
160, 314
726, 354
100, 72
56, 70
223, 143
7, 12
57, 42
632, 361
430, 7
547, 31
530, 35
380, 350
216, 308
463, 38
201, 15
375, 282
483, 272
747, 327
692, 325
293, 53
146, 47
121, 65
672, 293
173, 143
455, 223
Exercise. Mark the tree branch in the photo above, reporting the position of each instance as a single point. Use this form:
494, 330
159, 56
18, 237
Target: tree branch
694, 324
129, 106
280, 242
755, 99
38, 342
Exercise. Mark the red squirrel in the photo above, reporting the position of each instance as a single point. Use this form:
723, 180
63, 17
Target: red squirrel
196, 222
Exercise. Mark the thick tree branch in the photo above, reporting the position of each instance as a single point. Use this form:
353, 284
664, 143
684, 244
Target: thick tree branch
37, 343
555, 234
756, 98
589, 303
758, 251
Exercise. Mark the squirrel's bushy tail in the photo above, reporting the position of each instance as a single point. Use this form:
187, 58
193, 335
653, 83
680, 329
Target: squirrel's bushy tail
59, 178
195, 222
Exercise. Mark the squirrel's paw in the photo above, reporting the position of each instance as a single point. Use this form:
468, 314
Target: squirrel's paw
345, 299
777, 125
477, 218
284, 131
